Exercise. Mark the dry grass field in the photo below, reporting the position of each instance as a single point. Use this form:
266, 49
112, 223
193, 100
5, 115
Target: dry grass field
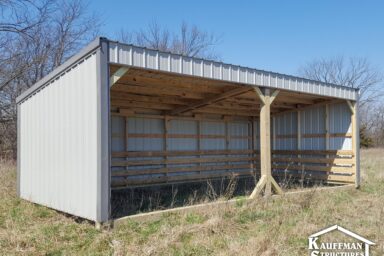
261, 227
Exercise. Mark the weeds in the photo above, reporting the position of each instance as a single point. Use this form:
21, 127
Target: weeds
261, 227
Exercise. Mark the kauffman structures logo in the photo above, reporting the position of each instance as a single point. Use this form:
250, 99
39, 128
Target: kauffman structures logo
318, 247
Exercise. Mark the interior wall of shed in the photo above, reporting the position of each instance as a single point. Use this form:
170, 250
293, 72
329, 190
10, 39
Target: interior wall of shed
164, 149
158, 149
311, 136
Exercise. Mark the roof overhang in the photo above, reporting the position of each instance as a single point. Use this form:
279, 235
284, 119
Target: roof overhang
143, 58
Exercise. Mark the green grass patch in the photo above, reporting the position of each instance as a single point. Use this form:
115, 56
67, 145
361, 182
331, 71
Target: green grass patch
240, 201
248, 215
194, 218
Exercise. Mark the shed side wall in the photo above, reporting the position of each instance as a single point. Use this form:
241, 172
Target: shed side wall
58, 136
312, 128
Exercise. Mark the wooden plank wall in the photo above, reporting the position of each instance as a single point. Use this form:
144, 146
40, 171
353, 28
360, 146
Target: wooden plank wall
166, 149
315, 143
158, 149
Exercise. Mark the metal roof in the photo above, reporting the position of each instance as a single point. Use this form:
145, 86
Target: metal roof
131, 55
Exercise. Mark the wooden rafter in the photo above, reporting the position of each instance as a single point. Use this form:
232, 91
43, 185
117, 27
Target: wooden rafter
211, 100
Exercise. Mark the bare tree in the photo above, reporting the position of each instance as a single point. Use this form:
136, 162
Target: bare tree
20, 16
36, 36
352, 72
154, 36
189, 40
373, 122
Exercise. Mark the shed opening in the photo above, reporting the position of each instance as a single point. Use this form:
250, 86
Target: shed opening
168, 129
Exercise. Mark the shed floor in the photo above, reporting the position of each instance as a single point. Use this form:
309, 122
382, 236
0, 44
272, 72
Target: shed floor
132, 201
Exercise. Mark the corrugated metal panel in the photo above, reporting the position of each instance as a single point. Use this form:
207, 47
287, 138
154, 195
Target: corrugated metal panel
145, 126
286, 126
238, 133
256, 134
182, 127
212, 128
146, 58
313, 122
340, 122
58, 144
313, 132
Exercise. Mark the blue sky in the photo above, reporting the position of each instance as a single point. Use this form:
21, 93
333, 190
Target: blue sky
272, 35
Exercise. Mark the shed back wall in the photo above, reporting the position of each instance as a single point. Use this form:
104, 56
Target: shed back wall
129, 134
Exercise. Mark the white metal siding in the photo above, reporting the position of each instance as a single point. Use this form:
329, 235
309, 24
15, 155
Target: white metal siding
58, 151
340, 122
285, 126
312, 121
215, 130
163, 61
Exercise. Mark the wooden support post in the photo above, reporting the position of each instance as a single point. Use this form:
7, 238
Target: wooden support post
266, 181
355, 141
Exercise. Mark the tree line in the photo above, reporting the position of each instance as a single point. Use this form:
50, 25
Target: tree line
36, 36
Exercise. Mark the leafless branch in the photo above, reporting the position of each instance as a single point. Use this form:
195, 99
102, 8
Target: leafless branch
352, 72
35, 37
189, 40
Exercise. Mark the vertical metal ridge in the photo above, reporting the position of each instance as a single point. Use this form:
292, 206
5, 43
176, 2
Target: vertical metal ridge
103, 134
18, 149
357, 136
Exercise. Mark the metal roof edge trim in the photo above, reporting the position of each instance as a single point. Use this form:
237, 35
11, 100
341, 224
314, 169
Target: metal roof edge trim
243, 67
62, 68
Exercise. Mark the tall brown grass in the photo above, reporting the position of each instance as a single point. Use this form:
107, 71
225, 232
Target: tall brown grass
274, 226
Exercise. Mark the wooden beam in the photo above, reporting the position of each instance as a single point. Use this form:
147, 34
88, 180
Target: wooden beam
332, 101
179, 153
200, 169
284, 97
173, 81
211, 100
276, 186
351, 106
181, 161
156, 91
273, 96
225, 111
259, 93
117, 75
314, 152
259, 187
